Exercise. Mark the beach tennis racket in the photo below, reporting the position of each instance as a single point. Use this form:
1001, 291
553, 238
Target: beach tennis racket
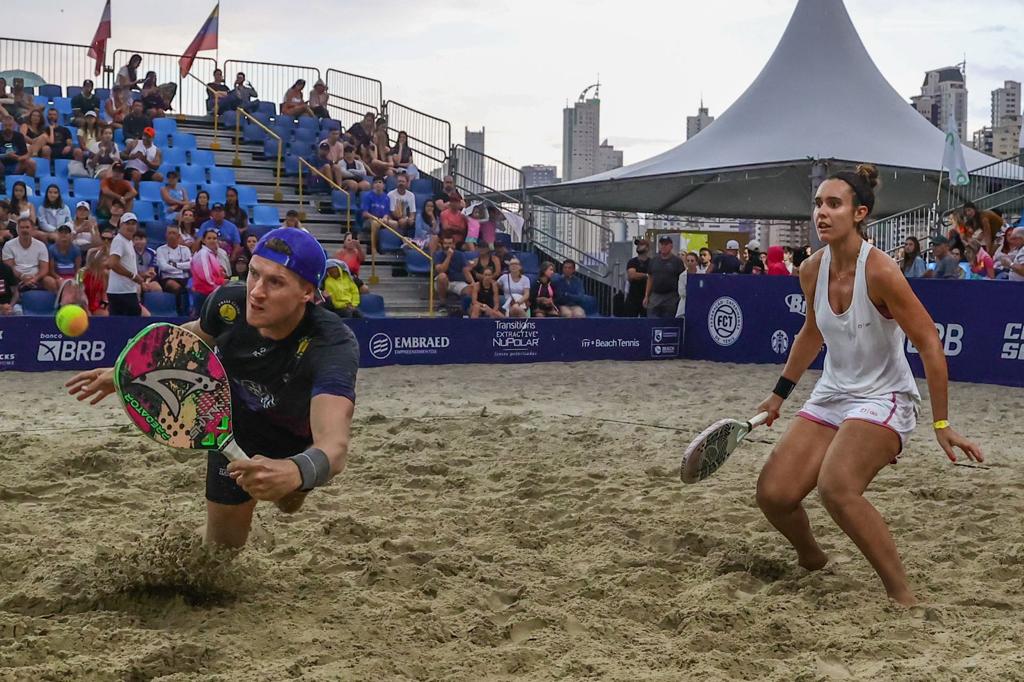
708, 451
175, 389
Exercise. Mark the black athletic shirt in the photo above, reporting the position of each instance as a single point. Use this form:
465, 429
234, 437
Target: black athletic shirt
272, 382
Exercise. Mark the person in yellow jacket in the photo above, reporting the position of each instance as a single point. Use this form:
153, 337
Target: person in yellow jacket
341, 289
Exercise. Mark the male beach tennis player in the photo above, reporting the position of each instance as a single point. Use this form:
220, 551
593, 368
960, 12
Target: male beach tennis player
864, 406
292, 367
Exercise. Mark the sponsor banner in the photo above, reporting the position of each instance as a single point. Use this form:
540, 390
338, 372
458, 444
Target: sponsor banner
34, 343
737, 318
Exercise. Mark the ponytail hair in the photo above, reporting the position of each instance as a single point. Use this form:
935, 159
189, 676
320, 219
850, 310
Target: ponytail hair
863, 182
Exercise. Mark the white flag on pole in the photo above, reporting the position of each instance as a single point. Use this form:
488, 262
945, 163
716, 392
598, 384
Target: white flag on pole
953, 155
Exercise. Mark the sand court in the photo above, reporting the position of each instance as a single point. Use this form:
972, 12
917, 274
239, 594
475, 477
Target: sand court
502, 523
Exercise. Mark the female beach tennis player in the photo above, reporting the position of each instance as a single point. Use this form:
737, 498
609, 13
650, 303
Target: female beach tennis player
864, 407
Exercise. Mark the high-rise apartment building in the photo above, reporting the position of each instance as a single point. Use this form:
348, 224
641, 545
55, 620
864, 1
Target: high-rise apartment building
695, 124
539, 174
582, 152
943, 91
1005, 102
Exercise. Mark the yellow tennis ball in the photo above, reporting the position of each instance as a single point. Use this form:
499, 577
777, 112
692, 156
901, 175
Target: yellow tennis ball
72, 320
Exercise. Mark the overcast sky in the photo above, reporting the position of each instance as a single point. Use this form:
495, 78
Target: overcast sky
511, 65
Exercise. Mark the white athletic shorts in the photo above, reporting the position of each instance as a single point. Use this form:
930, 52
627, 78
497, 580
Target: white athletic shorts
895, 411
456, 287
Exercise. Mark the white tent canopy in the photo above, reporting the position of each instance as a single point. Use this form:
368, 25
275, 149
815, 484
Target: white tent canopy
819, 98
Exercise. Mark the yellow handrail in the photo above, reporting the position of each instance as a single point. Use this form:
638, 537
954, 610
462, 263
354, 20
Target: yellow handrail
348, 198
374, 279
280, 147
215, 145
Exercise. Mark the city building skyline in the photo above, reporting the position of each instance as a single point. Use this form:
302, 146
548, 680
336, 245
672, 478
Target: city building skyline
695, 124
944, 91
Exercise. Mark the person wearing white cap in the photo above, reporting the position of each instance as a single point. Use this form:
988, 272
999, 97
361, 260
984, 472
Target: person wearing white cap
728, 262
753, 265
318, 99
83, 226
124, 280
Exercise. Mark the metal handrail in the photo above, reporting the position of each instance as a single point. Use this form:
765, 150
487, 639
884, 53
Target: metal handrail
348, 197
237, 162
445, 150
374, 279
215, 145
377, 106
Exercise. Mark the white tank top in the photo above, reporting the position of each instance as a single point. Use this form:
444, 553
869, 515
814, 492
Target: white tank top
864, 356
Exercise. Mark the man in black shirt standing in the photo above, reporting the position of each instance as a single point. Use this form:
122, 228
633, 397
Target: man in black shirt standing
727, 263
662, 295
292, 367
636, 275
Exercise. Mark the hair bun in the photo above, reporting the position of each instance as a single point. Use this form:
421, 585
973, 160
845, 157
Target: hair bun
869, 173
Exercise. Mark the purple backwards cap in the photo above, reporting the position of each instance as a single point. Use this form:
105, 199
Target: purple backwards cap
295, 249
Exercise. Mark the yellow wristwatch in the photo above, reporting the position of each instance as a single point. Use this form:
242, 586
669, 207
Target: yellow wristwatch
941, 424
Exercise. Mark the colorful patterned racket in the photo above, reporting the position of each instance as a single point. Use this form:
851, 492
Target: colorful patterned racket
176, 391
712, 447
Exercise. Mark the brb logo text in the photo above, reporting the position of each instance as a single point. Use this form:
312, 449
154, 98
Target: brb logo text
951, 335
71, 351
725, 321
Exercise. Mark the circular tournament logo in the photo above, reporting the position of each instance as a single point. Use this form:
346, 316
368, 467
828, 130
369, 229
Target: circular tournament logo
381, 345
780, 342
228, 311
725, 321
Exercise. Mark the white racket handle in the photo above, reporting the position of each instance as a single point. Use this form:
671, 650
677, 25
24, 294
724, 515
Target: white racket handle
233, 452
758, 420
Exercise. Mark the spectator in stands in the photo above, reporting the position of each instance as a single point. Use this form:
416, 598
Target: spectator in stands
89, 129
351, 252
727, 262
113, 221
242, 96
174, 195
53, 213
947, 266
485, 258
752, 265
362, 132
29, 259
119, 107
1013, 261
350, 173
690, 260
217, 90
477, 214
144, 159
318, 99
981, 263
135, 124
661, 297
5, 96
21, 207
34, 130
128, 75
14, 151
377, 160
543, 294
146, 257
173, 263
454, 223
294, 104
8, 225
912, 263
381, 163
401, 156
235, 213
799, 256
230, 237
22, 103
240, 263
291, 219
403, 207
331, 150
86, 100
65, 257
776, 261
85, 232
59, 144
9, 293
187, 229
94, 280
982, 225
787, 258
154, 98
486, 300
207, 271
452, 271
636, 278
515, 290
114, 186
442, 197
569, 291
428, 228
704, 264
202, 208
340, 290
376, 207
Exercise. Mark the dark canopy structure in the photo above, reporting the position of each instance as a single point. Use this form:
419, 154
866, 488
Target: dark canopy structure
760, 157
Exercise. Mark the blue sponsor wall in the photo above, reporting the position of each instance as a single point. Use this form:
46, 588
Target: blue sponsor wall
734, 318
33, 343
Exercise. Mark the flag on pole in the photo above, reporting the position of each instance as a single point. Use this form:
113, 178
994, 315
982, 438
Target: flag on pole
953, 156
98, 47
206, 39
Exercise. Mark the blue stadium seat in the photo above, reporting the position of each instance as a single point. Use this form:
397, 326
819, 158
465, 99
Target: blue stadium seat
119, 138
530, 262
144, 211
327, 124
269, 147
415, 262
74, 90
372, 305
165, 168
285, 122
164, 127
62, 105
150, 191
265, 216
62, 184
160, 303
193, 174
183, 141
338, 202
246, 194
307, 135
87, 189
308, 123
253, 133
202, 157
40, 99
503, 238
422, 186
228, 120
388, 241
36, 201
267, 108
174, 156
102, 93
38, 302
589, 305
304, 148
156, 233
260, 230
60, 167
217, 191
390, 183
30, 183
291, 164
225, 176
